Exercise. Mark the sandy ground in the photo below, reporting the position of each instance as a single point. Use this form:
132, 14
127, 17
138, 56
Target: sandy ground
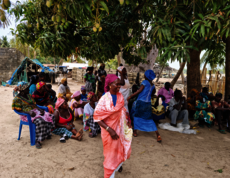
179, 156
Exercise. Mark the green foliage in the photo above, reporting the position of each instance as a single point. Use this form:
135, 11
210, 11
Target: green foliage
4, 6
121, 27
5, 43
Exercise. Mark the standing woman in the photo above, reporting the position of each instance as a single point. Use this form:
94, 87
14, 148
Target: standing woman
110, 114
143, 117
90, 80
125, 85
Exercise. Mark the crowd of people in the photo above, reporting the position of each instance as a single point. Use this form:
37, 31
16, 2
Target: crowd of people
110, 106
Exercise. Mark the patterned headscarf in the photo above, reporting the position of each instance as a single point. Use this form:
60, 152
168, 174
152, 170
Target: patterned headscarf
40, 85
51, 109
150, 74
63, 80
20, 87
77, 93
110, 78
59, 102
83, 88
90, 95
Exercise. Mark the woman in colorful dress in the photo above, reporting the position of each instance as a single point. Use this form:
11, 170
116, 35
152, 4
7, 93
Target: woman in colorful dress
42, 98
204, 112
88, 116
25, 103
142, 116
116, 132
64, 121
77, 105
90, 80
157, 110
64, 90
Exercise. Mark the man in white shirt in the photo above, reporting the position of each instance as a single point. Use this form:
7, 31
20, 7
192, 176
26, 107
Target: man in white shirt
178, 109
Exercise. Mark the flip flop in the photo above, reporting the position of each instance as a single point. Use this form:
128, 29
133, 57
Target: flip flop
159, 140
221, 131
62, 139
121, 169
38, 145
91, 135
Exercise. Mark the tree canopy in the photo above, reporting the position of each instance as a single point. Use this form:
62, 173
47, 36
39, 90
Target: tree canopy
99, 29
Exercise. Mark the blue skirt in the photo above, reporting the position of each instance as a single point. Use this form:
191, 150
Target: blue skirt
143, 123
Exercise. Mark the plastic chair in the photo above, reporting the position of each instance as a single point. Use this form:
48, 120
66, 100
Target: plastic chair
31, 125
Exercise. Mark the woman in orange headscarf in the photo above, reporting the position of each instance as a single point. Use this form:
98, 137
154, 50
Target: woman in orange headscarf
110, 114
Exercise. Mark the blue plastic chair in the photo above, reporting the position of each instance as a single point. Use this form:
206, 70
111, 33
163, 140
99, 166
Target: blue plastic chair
31, 125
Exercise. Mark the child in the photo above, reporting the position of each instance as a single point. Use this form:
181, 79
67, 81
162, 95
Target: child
77, 105
52, 93
83, 94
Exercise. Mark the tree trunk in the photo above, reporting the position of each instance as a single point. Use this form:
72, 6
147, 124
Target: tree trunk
173, 82
227, 70
205, 64
193, 72
28, 48
160, 73
119, 59
35, 54
182, 75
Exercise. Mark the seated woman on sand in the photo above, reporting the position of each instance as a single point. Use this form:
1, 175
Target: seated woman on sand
23, 102
204, 112
77, 105
64, 89
42, 97
191, 101
88, 116
64, 121
158, 111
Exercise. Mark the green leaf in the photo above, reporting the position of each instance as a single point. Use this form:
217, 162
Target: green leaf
104, 6
201, 16
202, 30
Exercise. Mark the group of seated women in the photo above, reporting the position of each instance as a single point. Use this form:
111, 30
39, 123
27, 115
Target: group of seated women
209, 109
29, 96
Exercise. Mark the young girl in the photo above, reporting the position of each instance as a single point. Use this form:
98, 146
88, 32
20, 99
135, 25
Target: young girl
77, 105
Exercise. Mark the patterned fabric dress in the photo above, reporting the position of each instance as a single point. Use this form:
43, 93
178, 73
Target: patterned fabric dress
44, 124
88, 120
90, 84
208, 117
159, 111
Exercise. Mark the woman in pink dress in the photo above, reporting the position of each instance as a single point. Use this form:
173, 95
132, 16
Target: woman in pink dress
116, 131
